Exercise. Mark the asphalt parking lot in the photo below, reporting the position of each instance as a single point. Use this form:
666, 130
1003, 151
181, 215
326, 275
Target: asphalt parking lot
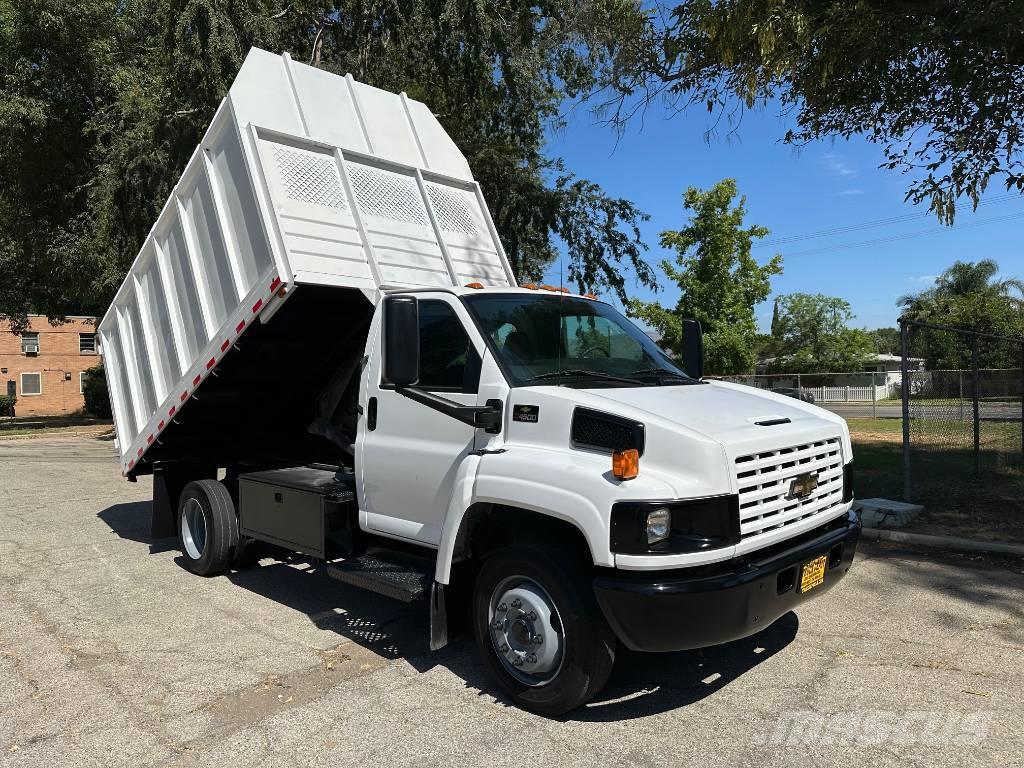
112, 654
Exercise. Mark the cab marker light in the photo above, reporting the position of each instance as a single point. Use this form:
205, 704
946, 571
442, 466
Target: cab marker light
529, 286
476, 286
626, 464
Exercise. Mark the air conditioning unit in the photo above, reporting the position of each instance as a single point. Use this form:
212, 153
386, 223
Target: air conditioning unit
31, 349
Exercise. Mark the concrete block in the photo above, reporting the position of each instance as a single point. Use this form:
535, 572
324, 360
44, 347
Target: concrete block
886, 513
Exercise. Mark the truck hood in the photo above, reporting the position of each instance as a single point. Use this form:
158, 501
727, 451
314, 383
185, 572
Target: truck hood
725, 412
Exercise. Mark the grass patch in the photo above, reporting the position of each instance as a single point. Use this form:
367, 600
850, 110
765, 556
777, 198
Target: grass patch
957, 503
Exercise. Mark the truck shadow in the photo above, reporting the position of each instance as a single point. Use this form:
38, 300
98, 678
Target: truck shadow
130, 520
641, 684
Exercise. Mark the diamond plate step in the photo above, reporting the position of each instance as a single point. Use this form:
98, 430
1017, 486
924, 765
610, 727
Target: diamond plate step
399, 581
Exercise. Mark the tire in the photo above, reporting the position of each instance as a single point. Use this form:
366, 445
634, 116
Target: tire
555, 682
207, 527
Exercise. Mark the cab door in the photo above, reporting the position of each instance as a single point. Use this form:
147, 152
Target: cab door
408, 454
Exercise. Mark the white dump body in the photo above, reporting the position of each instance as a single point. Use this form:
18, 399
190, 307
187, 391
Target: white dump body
304, 177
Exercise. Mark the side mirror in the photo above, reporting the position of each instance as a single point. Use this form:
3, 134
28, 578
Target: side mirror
693, 349
401, 340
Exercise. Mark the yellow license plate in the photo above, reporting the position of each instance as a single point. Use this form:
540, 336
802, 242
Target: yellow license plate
813, 573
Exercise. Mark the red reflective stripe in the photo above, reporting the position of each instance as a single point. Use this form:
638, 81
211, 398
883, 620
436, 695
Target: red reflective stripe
196, 380
256, 306
171, 412
184, 396
160, 425
239, 327
131, 463
274, 284
210, 363
149, 439
140, 453
225, 345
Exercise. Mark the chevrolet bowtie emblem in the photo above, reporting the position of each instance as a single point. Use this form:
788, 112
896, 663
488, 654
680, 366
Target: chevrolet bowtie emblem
803, 486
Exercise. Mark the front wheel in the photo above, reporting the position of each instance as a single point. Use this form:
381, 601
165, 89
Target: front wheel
540, 631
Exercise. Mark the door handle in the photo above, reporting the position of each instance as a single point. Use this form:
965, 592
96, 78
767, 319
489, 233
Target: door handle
371, 414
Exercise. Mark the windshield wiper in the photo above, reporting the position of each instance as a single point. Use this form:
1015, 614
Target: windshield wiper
662, 373
576, 373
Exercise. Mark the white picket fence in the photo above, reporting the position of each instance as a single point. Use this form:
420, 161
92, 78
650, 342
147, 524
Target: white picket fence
847, 394
832, 394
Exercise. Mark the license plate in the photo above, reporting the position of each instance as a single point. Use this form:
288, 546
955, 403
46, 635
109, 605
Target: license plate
813, 573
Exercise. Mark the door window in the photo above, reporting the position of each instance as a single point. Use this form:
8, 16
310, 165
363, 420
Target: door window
448, 361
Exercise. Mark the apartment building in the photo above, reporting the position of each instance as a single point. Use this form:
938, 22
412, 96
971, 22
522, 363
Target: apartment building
44, 366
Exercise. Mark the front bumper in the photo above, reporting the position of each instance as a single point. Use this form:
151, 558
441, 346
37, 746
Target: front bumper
698, 607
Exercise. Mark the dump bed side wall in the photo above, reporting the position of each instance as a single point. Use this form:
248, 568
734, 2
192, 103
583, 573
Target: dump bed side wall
192, 290
303, 178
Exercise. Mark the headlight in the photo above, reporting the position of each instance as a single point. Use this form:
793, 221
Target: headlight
664, 527
659, 525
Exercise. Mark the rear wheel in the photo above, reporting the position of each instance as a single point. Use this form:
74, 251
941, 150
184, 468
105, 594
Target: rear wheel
207, 527
540, 631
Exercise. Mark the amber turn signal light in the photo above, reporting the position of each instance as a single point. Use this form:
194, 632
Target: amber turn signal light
626, 464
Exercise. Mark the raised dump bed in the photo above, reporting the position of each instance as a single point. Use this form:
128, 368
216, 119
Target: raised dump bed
307, 183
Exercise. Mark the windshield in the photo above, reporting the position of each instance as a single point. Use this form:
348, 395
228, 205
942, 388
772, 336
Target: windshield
545, 339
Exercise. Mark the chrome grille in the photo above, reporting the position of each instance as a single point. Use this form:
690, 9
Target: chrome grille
765, 479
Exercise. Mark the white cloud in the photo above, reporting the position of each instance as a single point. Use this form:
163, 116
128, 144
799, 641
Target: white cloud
846, 193
922, 279
838, 166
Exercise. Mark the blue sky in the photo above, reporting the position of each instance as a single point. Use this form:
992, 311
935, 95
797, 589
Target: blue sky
792, 192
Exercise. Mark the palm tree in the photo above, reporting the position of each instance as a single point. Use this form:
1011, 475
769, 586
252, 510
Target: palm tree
964, 278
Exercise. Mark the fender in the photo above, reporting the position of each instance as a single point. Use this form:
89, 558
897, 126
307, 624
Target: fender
472, 486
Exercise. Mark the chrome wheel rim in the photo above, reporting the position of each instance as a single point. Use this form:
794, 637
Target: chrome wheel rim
193, 529
526, 630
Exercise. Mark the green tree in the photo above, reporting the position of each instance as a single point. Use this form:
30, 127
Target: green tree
94, 391
812, 335
972, 296
104, 102
964, 278
936, 83
887, 341
720, 282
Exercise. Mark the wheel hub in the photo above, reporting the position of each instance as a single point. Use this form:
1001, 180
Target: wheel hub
193, 529
526, 631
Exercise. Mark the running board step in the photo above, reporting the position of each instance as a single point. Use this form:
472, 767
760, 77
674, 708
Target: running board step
394, 580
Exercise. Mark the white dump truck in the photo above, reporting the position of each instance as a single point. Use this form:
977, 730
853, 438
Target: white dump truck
321, 345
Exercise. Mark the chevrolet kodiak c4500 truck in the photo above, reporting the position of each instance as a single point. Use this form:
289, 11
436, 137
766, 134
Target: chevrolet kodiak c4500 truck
321, 345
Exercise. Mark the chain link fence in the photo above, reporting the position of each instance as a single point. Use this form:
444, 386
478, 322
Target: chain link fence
963, 412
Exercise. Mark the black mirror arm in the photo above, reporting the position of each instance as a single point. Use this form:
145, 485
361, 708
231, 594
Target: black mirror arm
486, 417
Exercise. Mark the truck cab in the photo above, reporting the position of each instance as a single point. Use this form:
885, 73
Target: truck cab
547, 427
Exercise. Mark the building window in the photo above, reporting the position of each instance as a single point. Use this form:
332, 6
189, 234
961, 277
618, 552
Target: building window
87, 343
81, 383
31, 384
30, 343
